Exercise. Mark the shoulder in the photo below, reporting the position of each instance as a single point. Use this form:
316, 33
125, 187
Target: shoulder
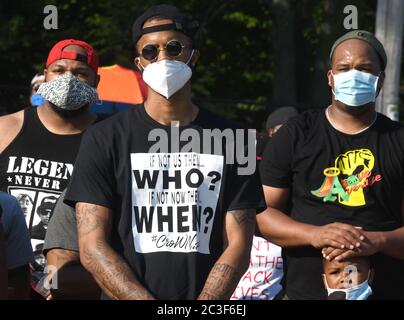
392, 131
108, 126
305, 121
386, 124
300, 128
10, 208
106, 132
210, 120
7, 200
10, 126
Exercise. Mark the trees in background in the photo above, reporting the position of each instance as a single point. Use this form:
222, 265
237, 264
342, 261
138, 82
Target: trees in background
389, 30
256, 54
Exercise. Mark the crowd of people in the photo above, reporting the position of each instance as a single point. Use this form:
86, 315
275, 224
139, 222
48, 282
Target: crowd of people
142, 206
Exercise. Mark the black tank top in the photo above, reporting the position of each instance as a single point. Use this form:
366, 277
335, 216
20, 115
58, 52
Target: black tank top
36, 168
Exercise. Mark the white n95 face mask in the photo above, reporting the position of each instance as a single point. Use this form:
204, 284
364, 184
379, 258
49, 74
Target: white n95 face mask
166, 77
68, 92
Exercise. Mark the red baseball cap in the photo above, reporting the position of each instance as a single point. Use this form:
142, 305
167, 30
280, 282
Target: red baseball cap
57, 53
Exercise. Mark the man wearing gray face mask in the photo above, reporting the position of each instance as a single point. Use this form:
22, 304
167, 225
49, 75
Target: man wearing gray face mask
38, 146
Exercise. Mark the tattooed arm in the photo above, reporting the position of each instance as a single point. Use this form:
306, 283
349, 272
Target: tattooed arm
73, 281
110, 271
226, 273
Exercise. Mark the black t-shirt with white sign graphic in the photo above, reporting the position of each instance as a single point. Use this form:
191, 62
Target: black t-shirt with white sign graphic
168, 205
335, 177
35, 168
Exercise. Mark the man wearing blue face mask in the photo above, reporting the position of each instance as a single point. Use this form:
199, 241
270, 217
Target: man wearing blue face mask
342, 169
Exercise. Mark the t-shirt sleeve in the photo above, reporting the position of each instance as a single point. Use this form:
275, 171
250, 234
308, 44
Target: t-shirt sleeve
19, 250
275, 168
244, 191
62, 228
93, 178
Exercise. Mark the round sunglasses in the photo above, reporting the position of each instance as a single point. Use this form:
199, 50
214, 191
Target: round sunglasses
173, 48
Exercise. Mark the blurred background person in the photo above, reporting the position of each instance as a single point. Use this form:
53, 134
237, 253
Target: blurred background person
263, 279
17, 249
3, 263
35, 98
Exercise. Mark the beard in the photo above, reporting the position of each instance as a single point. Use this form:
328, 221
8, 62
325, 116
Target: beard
68, 114
357, 110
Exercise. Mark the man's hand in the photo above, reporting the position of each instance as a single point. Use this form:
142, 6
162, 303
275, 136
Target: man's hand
336, 235
369, 246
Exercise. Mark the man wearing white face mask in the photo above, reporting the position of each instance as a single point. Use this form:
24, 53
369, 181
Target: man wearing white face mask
137, 238
38, 146
342, 169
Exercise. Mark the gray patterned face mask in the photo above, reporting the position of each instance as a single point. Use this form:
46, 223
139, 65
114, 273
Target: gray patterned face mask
68, 92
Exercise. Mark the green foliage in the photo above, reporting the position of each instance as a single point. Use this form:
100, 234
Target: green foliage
235, 75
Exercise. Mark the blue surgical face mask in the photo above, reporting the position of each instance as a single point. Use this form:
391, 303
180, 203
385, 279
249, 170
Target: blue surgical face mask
355, 88
359, 292
37, 100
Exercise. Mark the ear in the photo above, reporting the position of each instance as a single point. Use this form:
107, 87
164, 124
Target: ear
380, 83
137, 63
371, 276
195, 57
45, 73
330, 79
324, 280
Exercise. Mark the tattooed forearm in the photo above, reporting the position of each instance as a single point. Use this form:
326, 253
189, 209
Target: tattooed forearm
87, 218
243, 216
221, 282
110, 271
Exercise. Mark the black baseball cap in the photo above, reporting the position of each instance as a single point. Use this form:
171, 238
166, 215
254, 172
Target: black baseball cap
367, 36
182, 22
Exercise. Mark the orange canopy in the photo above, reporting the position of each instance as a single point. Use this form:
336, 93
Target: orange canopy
121, 84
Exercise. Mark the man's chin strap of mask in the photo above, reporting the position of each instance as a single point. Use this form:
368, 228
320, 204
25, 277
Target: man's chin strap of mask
188, 61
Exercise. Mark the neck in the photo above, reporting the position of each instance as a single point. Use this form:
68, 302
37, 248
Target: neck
58, 124
346, 121
178, 108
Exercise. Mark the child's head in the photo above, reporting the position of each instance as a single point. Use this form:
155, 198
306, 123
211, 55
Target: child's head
351, 275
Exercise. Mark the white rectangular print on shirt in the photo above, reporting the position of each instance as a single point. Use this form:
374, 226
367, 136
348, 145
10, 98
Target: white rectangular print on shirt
174, 199
37, 206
